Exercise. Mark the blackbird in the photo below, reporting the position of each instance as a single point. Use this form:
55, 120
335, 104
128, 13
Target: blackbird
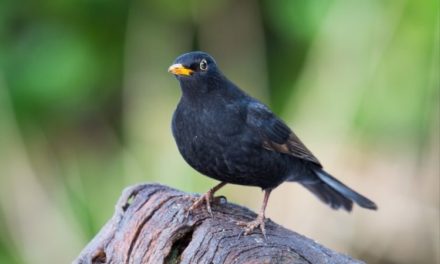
227, 135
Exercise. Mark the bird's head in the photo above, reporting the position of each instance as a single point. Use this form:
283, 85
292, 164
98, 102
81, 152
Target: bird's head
195, 70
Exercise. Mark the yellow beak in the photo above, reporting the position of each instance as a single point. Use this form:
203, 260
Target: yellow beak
179, 69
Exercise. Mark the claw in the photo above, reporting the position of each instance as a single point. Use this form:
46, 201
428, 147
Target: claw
259, 221
250, 226
207, 198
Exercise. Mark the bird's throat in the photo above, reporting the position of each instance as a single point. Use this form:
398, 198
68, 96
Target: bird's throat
193, 92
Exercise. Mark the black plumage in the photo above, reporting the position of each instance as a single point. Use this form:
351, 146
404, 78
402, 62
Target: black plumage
227, 135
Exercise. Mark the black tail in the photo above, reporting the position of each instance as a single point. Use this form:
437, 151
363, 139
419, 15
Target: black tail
336, 194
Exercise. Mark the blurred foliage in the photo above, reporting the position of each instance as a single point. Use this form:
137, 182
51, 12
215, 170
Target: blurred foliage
85, 107
62, 56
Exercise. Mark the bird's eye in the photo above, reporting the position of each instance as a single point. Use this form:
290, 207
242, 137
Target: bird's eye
203, 65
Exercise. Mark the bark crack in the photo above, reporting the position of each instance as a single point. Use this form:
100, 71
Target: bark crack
178, 247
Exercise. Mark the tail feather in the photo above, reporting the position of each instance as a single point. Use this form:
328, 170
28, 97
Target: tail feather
329, 196
339, 188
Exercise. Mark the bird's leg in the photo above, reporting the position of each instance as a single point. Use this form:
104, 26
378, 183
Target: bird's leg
259, 221
207, 197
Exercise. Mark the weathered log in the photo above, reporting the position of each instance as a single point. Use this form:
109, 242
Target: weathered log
150, 225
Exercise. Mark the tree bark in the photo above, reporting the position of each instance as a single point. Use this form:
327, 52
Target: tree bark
150, 225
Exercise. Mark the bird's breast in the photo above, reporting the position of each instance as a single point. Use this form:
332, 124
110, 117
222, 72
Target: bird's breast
203, 136
220, 145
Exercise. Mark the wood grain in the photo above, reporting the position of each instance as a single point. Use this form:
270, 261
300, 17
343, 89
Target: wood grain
150, 225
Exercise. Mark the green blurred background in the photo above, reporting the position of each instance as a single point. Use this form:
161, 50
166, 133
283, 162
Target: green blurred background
86, 104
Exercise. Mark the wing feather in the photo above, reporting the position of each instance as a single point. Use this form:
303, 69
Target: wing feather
275, 135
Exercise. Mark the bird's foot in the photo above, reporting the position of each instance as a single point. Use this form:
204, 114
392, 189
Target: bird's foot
207, 198
250, 226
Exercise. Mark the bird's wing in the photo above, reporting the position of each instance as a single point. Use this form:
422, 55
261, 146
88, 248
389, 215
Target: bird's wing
276, 135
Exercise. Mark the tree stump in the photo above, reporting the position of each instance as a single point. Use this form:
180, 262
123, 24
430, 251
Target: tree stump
150, 225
